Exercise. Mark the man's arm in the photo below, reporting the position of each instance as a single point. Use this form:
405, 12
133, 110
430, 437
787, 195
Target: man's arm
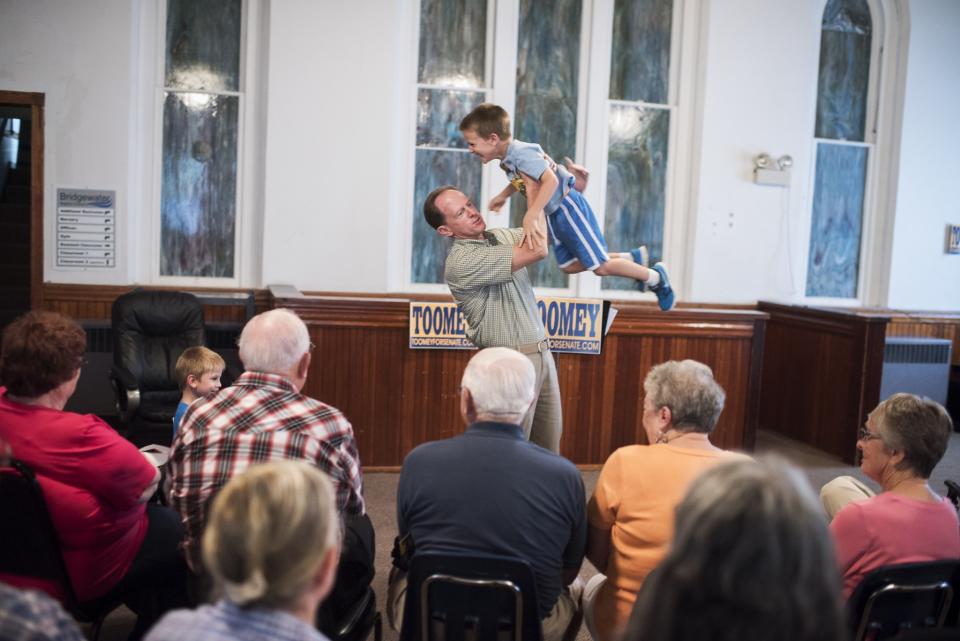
480, 265
524, 255
539, 193
573, 553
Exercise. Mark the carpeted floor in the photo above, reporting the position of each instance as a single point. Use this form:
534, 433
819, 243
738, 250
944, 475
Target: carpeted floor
381, 504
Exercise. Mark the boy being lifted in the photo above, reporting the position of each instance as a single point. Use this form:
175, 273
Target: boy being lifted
572, 226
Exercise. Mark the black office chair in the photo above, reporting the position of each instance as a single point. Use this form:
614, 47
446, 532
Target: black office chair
906, 596
150, 331
30, 547
355, 624
953, 493
453, 598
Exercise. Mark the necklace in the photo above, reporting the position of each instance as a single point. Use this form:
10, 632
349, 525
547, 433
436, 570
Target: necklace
698, 438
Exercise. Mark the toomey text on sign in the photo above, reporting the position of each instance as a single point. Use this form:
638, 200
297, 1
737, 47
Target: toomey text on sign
572, 325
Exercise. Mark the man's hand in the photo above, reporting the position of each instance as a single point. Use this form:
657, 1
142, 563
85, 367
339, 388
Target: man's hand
534, 231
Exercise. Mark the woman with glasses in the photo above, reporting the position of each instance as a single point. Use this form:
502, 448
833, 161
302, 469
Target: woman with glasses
96, 484
903, 440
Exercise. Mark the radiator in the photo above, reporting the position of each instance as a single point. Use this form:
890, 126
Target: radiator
916, 365
94, 393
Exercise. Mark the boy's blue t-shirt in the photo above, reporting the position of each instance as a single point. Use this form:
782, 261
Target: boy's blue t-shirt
529, 158
178, 416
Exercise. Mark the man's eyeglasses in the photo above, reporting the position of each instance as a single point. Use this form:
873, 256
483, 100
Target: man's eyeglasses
863, 434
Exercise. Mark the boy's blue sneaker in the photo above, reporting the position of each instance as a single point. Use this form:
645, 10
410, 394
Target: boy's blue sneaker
664, 292
641, 257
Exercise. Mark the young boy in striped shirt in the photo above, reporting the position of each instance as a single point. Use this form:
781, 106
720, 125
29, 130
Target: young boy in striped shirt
554, 196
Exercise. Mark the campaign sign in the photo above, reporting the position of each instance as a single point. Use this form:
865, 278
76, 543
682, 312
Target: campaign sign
438, 326
573, 325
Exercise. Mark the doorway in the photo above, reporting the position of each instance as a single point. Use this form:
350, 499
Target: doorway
21, 203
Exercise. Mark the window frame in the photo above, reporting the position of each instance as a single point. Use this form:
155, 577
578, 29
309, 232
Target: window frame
872, 219
592, 135
249, 190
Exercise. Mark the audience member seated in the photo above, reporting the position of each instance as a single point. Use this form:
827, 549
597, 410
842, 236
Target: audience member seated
490, 491
264, 416
903, 440
198, 371
271, 547
631, 510
96, 484
750, 560
29, 615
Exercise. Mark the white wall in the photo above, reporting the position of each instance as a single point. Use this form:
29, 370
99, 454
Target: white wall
759, 96
333, 79
78, 54
922, 276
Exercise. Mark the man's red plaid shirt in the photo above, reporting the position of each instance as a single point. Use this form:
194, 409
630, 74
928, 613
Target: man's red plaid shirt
259, 418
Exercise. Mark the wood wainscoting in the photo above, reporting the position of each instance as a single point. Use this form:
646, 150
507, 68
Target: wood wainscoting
397, 398
93, 302
823, 368
820, 367
821, 374
928, 325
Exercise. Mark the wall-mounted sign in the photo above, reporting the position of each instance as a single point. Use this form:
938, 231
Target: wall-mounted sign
953, 239
573, 325
86, 229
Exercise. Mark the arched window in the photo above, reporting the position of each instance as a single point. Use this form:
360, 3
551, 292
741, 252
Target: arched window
844, 138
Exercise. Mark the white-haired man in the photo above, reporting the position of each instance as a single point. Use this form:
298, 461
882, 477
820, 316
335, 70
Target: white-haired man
490, 491
264, 416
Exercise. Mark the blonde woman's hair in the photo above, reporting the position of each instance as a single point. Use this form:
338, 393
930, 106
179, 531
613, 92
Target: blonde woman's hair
268, 532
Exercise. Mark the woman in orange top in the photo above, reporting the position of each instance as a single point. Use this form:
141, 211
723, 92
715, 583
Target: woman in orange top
632, 508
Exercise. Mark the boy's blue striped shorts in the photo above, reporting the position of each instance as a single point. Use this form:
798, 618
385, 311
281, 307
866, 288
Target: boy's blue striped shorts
575, 233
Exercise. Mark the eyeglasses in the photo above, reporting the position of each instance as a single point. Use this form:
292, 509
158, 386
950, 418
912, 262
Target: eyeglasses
863, 434
312, 347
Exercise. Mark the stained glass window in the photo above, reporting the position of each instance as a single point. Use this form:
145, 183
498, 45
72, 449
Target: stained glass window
844, 70
840, 178
548, 68
639, 130
837, 215
200, 138
636, 177
198, 200
640, 60
451, 81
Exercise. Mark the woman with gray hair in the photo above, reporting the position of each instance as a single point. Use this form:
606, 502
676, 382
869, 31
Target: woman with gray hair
272, 547
631, 510
903, 440
751, 560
